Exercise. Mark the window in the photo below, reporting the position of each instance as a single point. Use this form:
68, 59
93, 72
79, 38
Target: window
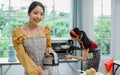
13, 13
102, 27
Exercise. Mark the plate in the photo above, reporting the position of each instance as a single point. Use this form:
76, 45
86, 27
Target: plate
65, 46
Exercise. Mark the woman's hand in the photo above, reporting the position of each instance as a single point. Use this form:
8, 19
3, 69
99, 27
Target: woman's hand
48, 55
42, 73
69, 56
48, 51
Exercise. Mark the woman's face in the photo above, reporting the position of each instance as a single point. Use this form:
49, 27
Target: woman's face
75, 39
36, 15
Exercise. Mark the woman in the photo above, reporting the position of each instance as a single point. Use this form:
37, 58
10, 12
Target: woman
32, 41
91, 51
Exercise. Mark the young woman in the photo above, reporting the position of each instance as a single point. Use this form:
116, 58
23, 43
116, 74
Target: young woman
31, 41
91, 50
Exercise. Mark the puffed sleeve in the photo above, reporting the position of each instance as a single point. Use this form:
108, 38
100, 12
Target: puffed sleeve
26, 62
48, 36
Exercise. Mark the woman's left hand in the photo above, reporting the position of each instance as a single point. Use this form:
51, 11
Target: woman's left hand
42, 73
68, 56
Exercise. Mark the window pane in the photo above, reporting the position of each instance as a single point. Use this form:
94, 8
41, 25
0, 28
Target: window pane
4, 47
19, 7
4, 7
97, 8
102, 27
17, 22
57, 17
105, 46
106, 7
4, 27
106, 27
97, 28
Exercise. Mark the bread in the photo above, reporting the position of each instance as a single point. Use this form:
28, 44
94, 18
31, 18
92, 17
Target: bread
92, 71
88, 72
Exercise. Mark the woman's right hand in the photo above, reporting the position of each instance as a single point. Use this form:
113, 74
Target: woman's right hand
48, 51
48, 55
68, 56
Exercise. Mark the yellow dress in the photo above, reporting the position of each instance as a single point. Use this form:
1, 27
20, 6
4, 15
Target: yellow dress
18, 37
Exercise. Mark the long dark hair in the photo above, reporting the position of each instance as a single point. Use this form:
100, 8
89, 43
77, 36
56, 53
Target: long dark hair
34, 4
82, 35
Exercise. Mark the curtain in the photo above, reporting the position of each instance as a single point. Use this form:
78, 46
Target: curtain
76, 10
115, 29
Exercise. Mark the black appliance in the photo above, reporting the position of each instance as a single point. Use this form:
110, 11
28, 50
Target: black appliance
63, 47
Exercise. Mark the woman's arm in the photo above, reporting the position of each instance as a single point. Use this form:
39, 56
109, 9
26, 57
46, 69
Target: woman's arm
84, 57
48, 41
22, 56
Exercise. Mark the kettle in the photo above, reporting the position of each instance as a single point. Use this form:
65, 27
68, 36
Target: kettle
51, 61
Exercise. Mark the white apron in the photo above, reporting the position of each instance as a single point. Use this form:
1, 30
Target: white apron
35, 47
